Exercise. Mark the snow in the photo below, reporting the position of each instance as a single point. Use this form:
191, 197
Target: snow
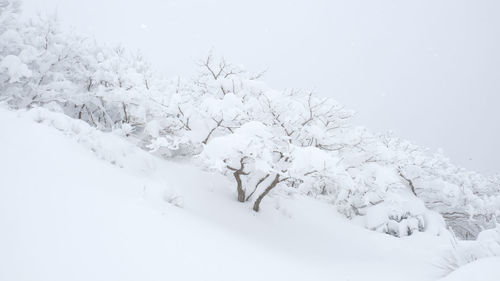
80, 204
15, 68
110, 169
487, 269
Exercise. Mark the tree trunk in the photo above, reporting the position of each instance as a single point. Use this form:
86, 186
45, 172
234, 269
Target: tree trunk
272, 185
256, 186
125, 112
237, 175
410, 183
239, 186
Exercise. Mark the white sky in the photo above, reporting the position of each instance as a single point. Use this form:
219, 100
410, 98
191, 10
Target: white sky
428, 69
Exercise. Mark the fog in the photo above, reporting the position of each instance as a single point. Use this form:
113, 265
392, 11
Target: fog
427, 70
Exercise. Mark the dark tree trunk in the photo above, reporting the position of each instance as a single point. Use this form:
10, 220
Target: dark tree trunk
125, 112
272, 185
410, 183
256, 186
239, 186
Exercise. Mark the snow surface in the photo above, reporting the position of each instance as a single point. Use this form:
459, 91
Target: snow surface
80, 204
487, 269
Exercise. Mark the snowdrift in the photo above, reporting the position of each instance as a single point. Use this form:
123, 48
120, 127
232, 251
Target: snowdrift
79, 204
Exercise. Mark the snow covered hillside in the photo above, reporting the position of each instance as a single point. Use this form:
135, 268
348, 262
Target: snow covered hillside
109, 169
78, 204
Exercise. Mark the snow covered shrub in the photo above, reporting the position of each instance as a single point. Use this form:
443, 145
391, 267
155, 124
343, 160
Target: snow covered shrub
41, 66
396, 216
461, 253
248, 151
260, 160
468, 201
14, 71
258, 134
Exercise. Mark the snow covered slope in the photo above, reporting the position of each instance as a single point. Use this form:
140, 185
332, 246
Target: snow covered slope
79, 204
488, 269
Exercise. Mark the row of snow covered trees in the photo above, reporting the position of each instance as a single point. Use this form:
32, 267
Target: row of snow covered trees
266, 141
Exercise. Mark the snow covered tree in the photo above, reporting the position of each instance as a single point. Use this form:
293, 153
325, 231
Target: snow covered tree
249, 152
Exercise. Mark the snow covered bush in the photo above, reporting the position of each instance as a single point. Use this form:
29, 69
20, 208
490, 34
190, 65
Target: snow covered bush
468, 201
249, 152
461, 253
260, 160
41, 66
